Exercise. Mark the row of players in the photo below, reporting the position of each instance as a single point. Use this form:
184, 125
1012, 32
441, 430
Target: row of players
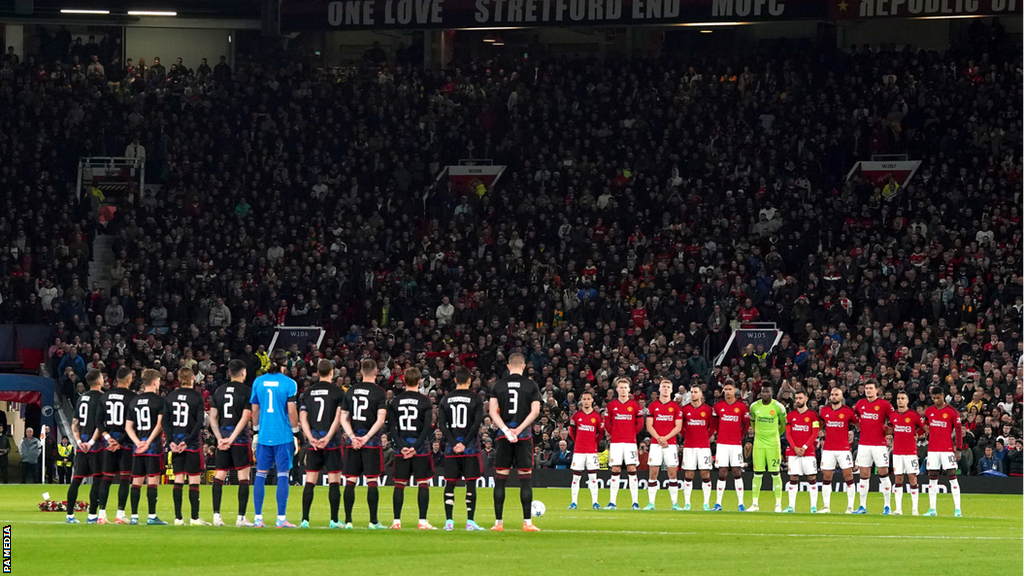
728, 423
121, 440
120, 437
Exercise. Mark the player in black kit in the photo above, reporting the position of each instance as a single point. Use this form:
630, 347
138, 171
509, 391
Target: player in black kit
230, 412
363, 415
117, 459
144, 425
86, 428
514, 405
411, 418
459, 418
183, 420
320, 419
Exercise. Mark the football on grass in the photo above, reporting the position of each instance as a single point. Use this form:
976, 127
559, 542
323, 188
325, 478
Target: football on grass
538, 508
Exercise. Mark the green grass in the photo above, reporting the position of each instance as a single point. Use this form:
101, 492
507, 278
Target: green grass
987, 539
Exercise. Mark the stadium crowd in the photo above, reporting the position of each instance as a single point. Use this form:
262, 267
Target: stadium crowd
649, 207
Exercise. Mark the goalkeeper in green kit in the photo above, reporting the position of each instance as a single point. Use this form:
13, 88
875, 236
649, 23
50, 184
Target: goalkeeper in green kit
768, 418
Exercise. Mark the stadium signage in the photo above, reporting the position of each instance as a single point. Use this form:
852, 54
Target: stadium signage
859, 9
299, 15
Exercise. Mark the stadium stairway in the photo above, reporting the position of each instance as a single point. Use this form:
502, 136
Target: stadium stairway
102, 261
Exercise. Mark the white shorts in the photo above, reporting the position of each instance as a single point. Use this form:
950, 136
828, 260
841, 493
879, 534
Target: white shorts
868, 456
832, 459
941, 461
584, 462
623, 454
905, 464
802, 466
696, 458
658, 455
729, 456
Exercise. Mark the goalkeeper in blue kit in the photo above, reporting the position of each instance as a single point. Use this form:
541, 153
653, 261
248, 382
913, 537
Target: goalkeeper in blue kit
275, 417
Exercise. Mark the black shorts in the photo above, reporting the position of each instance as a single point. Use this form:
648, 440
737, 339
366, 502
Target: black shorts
190, 463
324, 460
367, 461
462, 467
88, 464
237, 457
118, 461
519, 455
148, 465
419, 467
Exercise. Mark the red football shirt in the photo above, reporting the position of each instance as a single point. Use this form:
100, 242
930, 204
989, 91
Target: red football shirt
942, 423
802, 430
585, 430
623, 421
905, 429
733, 422
698, 425
665, 417
873, 418
837, 427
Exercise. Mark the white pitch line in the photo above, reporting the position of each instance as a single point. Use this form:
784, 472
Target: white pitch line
713, 533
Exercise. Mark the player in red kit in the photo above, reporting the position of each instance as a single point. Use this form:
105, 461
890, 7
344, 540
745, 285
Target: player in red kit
732, 420
874, 416
664, 421
623, 422
835, 453
802, 429
698, 426
945, 440
906, 427
585, 429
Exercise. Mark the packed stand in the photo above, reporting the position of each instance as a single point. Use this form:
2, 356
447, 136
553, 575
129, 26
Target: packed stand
649, 207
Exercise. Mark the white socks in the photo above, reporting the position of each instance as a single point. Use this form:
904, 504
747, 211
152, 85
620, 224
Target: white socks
592, 484
954, 487
673, 491
706, 487
652, 491
720, 491
814, 493
634, 487
885, 484
575, 486
791, 489
614, 482
687, 490
898, 493
933, 492
862, 488
826, 493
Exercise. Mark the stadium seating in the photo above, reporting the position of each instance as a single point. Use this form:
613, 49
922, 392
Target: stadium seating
649, 207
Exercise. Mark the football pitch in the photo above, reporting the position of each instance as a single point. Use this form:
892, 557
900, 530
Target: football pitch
988, 539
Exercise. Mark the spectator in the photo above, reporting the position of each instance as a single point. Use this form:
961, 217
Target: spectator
1015, 460
563, 458
543, 457
73, 361
990, 463
437, 454
95, 71
65, 460
387, 452
30, 449
445, 312
135, 150
5, 450
222, 71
